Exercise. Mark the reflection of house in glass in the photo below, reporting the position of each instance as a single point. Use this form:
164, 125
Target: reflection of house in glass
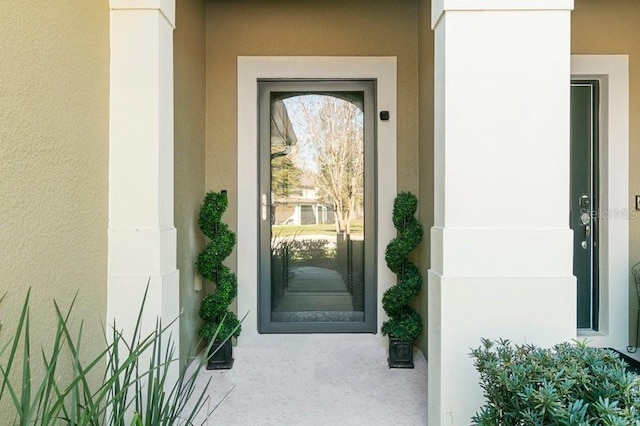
301, 206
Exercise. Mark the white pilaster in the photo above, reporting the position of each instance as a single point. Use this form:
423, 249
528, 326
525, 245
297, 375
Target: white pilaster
142, 237
501, 244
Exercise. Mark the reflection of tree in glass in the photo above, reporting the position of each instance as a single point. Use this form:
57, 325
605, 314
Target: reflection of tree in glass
335, 134
285, 177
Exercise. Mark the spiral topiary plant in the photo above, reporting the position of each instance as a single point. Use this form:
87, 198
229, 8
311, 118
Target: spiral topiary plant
404, 323
214, 307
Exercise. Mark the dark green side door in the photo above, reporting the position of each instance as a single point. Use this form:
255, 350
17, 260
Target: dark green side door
584, 198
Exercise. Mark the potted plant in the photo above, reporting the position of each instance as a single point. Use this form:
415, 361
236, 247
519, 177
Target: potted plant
220, 324
404, 325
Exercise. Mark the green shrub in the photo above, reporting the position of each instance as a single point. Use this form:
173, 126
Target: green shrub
214, 307
134, 387
569, 384
404, 322
305, 250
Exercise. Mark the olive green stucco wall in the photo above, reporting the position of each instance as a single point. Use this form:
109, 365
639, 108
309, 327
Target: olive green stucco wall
294, 28
189, 157
611, 27
54, 130
425, 152
54, 104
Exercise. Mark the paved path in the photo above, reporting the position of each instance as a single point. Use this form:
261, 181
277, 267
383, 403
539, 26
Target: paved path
313, 279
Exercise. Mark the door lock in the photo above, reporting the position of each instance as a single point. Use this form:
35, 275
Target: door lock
585, 219
584, 201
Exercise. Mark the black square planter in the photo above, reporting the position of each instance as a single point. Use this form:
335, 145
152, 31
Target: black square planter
222, 358
633, 365
400, 353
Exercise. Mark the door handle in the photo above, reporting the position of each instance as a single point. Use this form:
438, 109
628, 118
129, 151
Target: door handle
587, 234
585, 220
264, 206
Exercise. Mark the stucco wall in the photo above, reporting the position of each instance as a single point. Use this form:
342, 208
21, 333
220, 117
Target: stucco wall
189, 157
54, 115
425, 147
612, 28
290, 28
333, 28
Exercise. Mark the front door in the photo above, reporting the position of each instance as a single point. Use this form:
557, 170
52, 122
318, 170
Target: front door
584, 198
317, 206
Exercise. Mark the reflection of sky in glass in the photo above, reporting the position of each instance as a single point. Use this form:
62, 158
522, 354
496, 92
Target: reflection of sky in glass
303, 153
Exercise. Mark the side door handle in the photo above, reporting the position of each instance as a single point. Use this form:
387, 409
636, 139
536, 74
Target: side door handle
585, 219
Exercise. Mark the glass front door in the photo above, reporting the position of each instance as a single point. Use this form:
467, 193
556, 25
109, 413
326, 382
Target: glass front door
317, 198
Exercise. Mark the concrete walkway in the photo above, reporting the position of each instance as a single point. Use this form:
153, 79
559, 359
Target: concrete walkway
316, 379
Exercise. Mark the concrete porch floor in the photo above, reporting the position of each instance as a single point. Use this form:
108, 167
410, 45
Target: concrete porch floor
316, 379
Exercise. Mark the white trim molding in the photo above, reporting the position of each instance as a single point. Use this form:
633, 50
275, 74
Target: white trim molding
613, 73
250, 69
167, 8
440, 6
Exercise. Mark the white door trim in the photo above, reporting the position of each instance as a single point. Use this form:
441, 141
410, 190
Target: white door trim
250, 69
613, 73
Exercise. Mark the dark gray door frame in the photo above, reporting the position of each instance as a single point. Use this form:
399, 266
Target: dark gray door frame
265, 322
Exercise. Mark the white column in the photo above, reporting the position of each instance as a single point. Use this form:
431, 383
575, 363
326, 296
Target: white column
142, 236
501, 261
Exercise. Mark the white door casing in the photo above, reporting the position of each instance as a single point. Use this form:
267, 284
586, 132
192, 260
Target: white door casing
613, 73
250, 69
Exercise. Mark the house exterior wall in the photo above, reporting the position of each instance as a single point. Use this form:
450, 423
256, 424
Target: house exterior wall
611, 28
425, 154
285, 28
189, 159
54, 129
